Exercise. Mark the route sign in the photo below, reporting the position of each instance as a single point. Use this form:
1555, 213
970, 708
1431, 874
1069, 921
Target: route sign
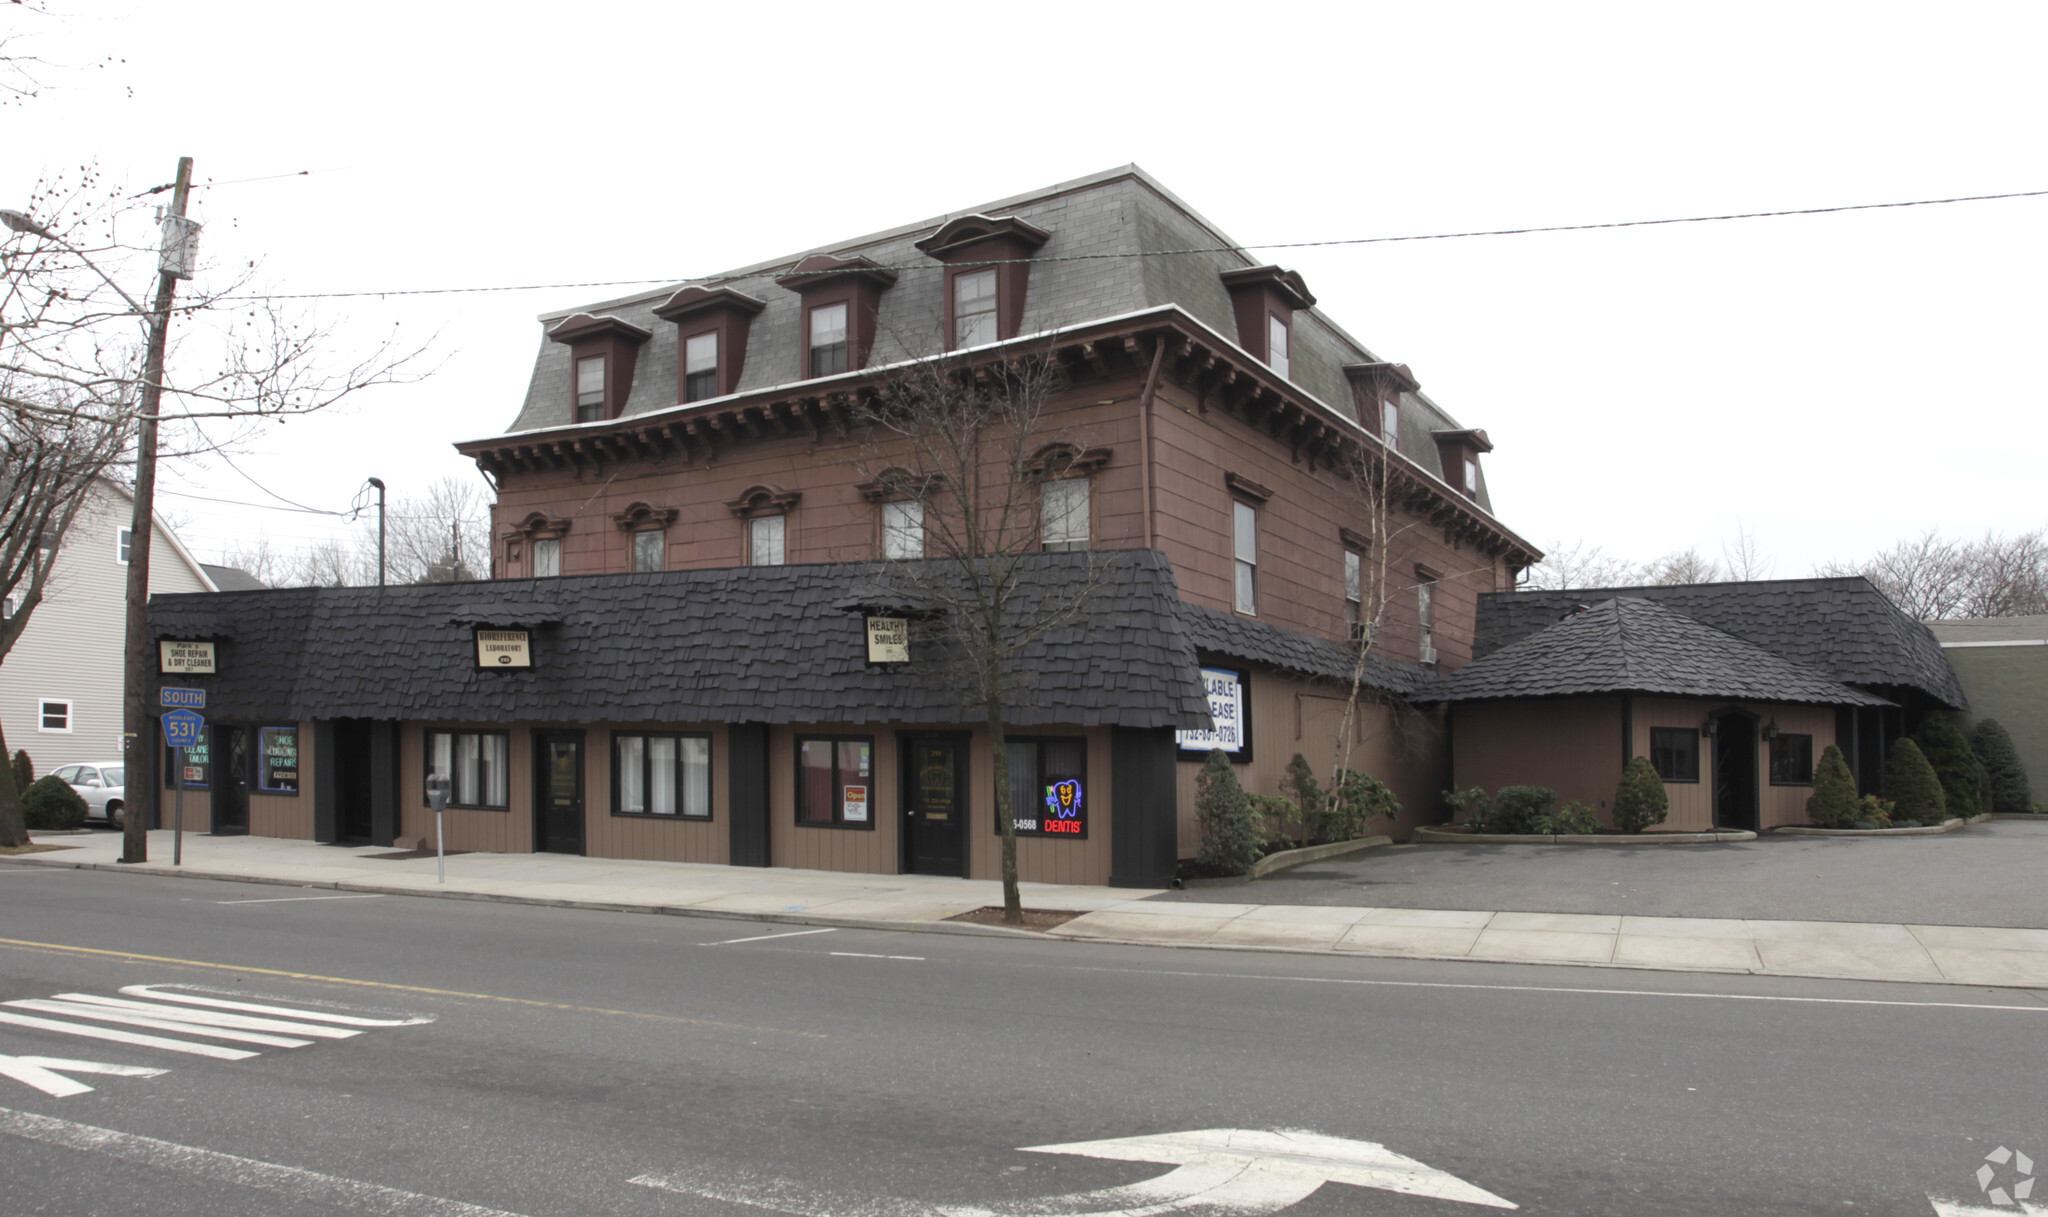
182, 728
180, 699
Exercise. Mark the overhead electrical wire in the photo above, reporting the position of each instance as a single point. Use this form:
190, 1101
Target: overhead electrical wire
1169, 253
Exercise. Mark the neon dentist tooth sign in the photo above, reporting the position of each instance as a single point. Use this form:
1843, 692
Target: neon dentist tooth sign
1065, 806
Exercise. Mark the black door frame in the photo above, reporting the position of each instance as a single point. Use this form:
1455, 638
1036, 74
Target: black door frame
537, 762
230, 781
1735, 719
963, 792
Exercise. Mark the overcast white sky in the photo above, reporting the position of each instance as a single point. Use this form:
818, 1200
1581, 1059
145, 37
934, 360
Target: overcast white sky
1833, 383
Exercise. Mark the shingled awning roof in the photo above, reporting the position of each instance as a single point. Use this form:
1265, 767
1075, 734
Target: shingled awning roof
1841, 626
1629, 645
771, 644
1227, 634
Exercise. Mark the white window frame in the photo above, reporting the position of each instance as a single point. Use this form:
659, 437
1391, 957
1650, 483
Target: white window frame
1472, 476
123, 544
1244, 528
584, 365
844, 313
960, 336
902, 530
1279, 345
768, 540
547, 558
490, 779
1425, 615
1354, 591
634, 790
658, 546
691, 368
70, 715
1063, 515
1390, 423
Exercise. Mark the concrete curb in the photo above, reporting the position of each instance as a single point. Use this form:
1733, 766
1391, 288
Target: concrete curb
1440, 836
1288, 859
1807, 830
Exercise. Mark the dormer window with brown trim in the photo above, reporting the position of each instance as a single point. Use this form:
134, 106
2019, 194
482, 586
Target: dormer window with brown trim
1459, 451
711, 339
1265, 299
602, 351
841, 297
989, 269
1376, 390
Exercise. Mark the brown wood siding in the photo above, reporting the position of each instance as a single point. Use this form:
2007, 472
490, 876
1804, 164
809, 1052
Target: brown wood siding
1040, 859
1572, 745
497, 832
871, 851
1289, 715
661, 838
284, 815
1692, 803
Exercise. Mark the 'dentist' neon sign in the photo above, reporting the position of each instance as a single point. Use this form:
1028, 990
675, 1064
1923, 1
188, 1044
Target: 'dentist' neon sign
1064, 804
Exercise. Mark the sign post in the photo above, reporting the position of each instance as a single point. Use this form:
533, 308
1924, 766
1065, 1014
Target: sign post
437, 795
181, 731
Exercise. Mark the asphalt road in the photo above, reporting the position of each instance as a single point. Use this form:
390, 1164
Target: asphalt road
1988, 874
551, 1062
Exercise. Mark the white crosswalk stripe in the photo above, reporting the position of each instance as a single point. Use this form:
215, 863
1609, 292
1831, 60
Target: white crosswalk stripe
165, 1008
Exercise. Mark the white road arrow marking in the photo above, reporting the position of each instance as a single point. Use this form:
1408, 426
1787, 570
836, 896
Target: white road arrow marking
135, 1018
135, 1038
1958, 1208
212, 1018
43, 1073
161, 993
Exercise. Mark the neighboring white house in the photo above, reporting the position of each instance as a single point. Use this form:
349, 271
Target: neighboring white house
60, 687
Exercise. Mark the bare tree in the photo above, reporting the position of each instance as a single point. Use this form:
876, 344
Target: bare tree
1579, 565
1742, 558
1682, 566
441, 536
968, 448
1932, 577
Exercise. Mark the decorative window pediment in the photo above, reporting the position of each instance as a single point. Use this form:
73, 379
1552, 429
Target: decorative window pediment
691, 301
1245, 488
896, 484
644, 517
539, 527
1355, 540
961, 232
821, 269
589, 325
1059, 459
764, 500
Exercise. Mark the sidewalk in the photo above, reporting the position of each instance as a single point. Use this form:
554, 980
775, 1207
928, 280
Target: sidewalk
1840, 950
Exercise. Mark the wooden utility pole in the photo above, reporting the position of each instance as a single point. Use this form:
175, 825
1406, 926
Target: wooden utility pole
137, 738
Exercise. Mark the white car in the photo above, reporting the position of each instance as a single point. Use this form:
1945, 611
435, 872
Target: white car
100, 785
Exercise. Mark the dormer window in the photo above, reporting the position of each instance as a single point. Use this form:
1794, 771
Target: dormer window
1277, 344
590, 389
1472, 476
700, 366
1265, 299
828, 340
1459, 453
1376, 390
974, 308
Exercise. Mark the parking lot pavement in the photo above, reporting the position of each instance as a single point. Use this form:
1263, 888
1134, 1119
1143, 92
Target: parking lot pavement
1985, 875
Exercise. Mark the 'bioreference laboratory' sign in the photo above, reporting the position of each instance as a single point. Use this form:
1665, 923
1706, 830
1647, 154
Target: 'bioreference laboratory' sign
503, 649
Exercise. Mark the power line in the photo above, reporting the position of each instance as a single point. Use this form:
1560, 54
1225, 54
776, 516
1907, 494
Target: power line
1171, 253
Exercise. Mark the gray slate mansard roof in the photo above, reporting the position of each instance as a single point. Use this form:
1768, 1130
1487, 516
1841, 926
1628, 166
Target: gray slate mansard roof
1118, 212
746, 644
1630, 645
1843, 627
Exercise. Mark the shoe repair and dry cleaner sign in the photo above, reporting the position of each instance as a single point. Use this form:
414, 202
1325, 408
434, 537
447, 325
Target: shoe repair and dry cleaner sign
184, 658
503, 649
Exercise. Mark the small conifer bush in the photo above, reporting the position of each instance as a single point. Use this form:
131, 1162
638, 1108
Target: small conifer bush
25, 770
51, 805
1640, 799
1955, 766
2005, 779
1231, 830
1911, 786
1833, 803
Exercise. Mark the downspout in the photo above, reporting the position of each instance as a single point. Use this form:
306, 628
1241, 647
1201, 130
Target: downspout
1145, 436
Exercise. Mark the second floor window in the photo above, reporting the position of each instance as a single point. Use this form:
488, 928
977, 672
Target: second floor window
647, 549
903, 529
1246, 520
547, 558
1277, 350
700, 367
124, 542
1354, 593
1063, 515
974, 308
1390, 423
590, 389
1425, 611
764, 540
828, 340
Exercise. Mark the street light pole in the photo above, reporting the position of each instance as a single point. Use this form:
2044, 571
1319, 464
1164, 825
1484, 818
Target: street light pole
379, 484
135, 733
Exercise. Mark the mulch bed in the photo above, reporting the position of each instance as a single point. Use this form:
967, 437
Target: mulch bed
1034, 919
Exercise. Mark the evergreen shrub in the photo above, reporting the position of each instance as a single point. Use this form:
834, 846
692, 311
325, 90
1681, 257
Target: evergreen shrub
1955, 766
1640, 800
2005, 779
1358, 800
50, 805
1232, 831
1911, 786
1522, 809
1833, 803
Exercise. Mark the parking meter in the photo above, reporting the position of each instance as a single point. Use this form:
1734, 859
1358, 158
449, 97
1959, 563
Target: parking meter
437, 798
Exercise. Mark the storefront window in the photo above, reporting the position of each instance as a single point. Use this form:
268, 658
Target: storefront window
478, 765
1675, 753
278, 761
835, 781
1792, 760
661, 775
1048, 787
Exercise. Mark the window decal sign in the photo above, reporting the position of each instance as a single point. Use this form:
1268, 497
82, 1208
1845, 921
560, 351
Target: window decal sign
1064, 806
855, 799
1230, 707
279, 771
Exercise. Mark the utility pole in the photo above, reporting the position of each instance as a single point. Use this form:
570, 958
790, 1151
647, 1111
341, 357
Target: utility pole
379, 484
136, 737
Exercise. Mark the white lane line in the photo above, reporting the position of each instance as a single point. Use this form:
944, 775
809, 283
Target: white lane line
210, 1018
296, 899
169, 993
765, 937
1445, 984
865, 955
350, 1195
42, 1073
133, 1019
126, 1037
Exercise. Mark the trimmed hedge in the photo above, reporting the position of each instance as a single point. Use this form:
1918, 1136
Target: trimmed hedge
1833, 803
1912, 787
50, 805
1640, 800
1955, 766
2005, 779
